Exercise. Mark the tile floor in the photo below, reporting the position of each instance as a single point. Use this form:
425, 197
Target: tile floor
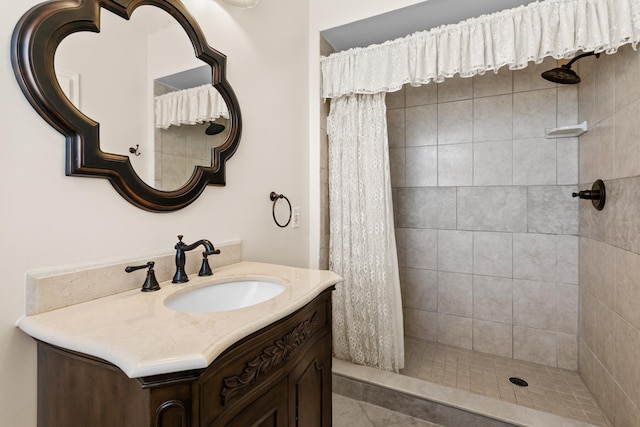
552, 390
352, 413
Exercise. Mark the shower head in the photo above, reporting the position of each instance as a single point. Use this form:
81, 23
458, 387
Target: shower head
564, 74
214, 129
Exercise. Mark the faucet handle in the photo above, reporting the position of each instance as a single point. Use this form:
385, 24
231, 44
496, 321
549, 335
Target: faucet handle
205, 269
150, 283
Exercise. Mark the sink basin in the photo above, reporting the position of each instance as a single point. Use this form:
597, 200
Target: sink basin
225, 296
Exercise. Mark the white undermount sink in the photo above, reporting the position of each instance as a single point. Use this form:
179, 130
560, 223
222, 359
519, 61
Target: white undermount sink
225, 296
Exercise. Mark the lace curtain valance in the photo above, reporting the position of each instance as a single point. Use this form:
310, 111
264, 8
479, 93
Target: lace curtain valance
189, 106
512, 37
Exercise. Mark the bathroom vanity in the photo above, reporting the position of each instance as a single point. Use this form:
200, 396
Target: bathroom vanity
129, 360
278, 376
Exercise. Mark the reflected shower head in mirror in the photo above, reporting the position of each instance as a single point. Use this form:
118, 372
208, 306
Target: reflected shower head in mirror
214, 129
564, 74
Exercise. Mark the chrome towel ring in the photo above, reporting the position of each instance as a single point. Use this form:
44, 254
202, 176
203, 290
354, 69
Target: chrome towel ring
274, 197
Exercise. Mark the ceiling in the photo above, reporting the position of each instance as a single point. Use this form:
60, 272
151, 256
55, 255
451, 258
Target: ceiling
419, 17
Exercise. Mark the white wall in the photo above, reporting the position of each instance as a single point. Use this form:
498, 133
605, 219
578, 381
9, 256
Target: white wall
50, 220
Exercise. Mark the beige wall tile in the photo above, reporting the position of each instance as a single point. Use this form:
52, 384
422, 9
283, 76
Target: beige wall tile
567, 105
567, 351
586, 90
455, 122
491, 84
567, 261
455, 251
626, 413
597, 269
627, 141
426, 207
493, 254
627, 68
421, 324
604, 336
604, 389
421, 247
455, 89
567, 161
621, 222
534, 161
551, 209
604, 87
455, 165
529, 78
421, 125
531, 304
493, 299
421, 166
396, 128
533, 112
456, 331
568, 308
493, 118
601, 158
455, 294
421, 95
397, 166
588, 306
585, 364
627, 286
534, 256
627, 348
493, 338
493, 163
420, 289
400, 245
492, 208
534, 345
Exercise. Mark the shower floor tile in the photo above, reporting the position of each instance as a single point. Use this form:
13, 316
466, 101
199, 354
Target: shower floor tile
552, 390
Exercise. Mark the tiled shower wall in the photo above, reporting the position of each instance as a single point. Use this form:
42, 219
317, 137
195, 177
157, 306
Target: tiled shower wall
609, 98
485, 222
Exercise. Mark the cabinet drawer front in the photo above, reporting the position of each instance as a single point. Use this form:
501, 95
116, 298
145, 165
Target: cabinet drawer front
261, 360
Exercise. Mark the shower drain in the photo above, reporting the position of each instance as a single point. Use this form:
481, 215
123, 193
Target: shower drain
518, 381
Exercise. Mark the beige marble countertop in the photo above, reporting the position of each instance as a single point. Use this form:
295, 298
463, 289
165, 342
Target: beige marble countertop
137, 332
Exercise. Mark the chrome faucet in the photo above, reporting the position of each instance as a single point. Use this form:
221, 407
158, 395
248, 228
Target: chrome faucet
181, 257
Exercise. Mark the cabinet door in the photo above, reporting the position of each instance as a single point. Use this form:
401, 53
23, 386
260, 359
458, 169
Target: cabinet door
268, 410
310, 387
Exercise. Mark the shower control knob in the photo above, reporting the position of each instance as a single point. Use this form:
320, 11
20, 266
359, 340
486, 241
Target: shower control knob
597, 194
587, 194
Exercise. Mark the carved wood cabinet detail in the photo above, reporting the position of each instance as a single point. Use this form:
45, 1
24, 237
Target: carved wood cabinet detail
279, 376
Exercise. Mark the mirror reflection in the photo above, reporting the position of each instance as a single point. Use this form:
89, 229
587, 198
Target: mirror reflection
190, 118
145, 87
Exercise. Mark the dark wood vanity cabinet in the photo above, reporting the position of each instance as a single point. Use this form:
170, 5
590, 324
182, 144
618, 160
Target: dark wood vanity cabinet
279, 376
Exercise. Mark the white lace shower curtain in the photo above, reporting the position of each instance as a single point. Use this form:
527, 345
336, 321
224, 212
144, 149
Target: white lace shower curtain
367, 315
189, 106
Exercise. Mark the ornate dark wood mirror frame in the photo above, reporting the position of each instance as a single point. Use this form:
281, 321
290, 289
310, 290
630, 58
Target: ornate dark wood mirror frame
34, 42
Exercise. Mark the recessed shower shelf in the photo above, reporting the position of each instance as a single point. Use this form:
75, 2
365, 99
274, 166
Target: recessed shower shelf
570, 131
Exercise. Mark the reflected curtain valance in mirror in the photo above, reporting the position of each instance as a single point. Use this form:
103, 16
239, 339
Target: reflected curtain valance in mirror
35, 40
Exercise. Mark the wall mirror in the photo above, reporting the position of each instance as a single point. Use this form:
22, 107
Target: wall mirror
119, 78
